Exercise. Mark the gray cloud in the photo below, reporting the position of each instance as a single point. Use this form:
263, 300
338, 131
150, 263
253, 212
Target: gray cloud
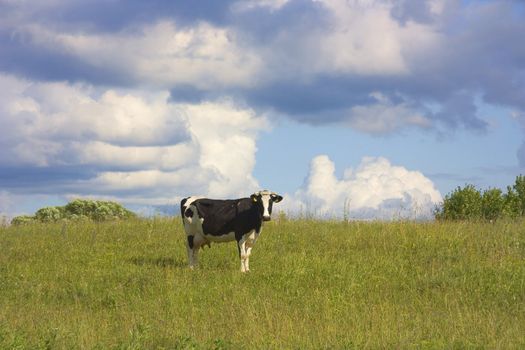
449, 53
21, 56
45, 180
475, 55
109, 16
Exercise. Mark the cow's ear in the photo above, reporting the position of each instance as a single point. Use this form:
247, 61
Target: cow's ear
254, 197
276, 198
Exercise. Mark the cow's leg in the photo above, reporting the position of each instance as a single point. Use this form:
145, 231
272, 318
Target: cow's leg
249, 247
242, 254
245, 249
192, 251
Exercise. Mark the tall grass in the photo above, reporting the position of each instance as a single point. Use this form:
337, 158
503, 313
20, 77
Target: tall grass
125, 285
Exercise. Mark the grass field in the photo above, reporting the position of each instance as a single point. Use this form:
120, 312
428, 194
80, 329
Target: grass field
313, 285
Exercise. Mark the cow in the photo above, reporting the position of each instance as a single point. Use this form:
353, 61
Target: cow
212, 220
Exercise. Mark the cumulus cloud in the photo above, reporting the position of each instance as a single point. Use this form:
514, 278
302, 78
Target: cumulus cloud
375, 189
46, 122
129, 142
226, 138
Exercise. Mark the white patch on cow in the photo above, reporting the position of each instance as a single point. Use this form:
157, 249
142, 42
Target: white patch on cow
265, 198
230, 236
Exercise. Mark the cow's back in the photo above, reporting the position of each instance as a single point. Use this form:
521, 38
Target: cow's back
218, 216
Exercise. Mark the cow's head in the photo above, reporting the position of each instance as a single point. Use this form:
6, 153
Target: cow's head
265, 199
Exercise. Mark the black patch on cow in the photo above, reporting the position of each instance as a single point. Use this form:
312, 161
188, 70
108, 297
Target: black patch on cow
233, 215
188, 213
190, 242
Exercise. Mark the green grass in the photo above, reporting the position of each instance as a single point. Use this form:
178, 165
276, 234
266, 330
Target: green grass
313, 285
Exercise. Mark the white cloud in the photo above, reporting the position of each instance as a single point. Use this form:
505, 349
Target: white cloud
376, 189
135, 141
384, 116
363, 38
50, 123
160, 54
226, 137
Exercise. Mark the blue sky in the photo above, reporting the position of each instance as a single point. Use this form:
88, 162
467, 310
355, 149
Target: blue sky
377, 107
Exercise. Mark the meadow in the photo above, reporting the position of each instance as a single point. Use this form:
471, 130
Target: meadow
313, 285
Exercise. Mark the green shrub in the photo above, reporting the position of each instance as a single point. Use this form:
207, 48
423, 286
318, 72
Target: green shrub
49, 214
512, 204
469, 203
78, 209
22, 220
492, 204
519, 188
461, 204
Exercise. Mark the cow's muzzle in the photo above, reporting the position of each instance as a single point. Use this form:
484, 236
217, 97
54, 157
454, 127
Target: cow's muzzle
266, 218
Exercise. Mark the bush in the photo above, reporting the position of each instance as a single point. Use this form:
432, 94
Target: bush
461, 204
97, 210
469, 203
22, 220
512, 204
492, 204
49, 214
79, 209
519, 189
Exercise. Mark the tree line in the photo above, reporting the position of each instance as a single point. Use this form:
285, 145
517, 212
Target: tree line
471, 203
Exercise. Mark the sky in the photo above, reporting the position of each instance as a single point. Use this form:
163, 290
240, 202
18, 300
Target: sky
357, 108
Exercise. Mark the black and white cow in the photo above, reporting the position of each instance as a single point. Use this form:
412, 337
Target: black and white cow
212, 220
